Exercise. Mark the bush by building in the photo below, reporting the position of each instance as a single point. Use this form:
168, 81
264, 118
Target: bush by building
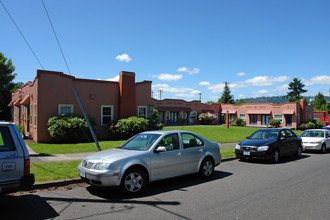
206, 118
239, 122
275, 123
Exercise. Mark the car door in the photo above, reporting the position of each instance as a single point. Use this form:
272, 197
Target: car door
293, 141
11, 156
284, 143
168, 163
327, 139
193, 150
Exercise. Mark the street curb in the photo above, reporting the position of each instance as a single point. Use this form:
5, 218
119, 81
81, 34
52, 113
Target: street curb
59, 183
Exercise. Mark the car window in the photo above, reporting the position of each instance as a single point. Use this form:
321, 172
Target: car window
265, 134
141, 142
170, 142
319, 134
6, 142
290, 134
190, 140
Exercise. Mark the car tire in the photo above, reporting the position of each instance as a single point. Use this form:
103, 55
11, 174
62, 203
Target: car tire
276, 157
133, 182
323, 148
207, 168
299, 152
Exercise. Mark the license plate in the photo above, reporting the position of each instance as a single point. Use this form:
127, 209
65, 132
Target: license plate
82, 173
246, 153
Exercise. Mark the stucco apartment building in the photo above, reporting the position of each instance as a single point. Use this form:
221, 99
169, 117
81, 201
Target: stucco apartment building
51, 93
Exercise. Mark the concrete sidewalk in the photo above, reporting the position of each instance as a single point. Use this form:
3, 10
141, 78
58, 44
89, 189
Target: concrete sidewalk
41, 158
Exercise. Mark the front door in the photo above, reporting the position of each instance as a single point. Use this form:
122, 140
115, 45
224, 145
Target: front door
288, 119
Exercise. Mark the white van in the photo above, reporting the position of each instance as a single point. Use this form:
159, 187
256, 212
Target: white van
14, 160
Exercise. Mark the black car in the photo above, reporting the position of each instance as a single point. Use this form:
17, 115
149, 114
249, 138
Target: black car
269, 144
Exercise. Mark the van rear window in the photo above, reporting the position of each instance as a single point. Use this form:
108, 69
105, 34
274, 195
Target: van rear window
6, 142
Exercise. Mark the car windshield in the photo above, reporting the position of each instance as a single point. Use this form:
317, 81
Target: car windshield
141, 142
317, 134
265, 134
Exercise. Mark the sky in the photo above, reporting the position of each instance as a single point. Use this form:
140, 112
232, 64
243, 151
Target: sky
185, 47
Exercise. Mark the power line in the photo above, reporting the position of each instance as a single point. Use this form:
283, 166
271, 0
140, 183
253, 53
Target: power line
58, 42
22, 34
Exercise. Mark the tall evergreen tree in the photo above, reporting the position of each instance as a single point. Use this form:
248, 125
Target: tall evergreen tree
320, 104
226, 97
296, 89
6, 86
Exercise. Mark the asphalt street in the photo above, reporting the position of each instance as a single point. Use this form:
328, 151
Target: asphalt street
292, 189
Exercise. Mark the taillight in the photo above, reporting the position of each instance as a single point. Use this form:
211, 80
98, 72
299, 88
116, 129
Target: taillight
26, 167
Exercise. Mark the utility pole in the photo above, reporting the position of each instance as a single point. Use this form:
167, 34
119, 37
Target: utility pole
200, 96
160, 94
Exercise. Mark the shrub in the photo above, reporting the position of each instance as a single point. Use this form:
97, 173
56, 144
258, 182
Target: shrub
319, 124
67, 127
310, 125
275, 123
154, 123
132, 125
206, 118
239, 122
21, 129
303, 127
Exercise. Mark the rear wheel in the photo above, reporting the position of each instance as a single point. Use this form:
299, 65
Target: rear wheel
323, 148
134, 181
276, 157
299, 152
207, 168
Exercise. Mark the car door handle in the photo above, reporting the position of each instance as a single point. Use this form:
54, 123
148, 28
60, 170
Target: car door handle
201, 151
179, 154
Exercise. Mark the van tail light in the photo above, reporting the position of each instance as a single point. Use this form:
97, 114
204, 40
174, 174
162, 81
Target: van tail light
26, 167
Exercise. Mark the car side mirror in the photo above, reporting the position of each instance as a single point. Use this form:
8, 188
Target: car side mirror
248, 137
160, 149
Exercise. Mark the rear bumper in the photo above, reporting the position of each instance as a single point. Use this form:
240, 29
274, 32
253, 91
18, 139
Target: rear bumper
12, 186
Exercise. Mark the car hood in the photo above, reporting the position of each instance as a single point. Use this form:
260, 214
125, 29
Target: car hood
113, 154
256, 142
312, 139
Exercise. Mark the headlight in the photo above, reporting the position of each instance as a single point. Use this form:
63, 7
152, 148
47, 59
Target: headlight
237, 147
263, 148
101, 166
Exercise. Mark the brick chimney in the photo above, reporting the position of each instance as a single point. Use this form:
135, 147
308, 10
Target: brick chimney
302, 113
127, 95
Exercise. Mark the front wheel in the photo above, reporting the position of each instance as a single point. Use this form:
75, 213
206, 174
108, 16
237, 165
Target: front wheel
133, 182
207, 168
323, 148
299, 152
276, 157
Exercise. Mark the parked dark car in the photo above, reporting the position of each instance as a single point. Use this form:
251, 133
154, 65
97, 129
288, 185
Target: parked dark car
269, 144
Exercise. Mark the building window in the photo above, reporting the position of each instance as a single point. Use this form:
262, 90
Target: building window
34, 115
217, 116
264, 119
279, 117
193, 115
31, 115
65, 109
168, 116
106, 114
185, 115
142, 111
16, 112
242, 116
298, 118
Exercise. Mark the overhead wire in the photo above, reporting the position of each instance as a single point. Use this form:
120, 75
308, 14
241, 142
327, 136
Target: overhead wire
58, 42
21, 34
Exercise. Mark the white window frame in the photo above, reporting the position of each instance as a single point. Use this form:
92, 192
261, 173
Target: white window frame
65, 105
31, 112
298, 118
193, 115
146, 111
34, 115
279, 118
242, 116
102, 115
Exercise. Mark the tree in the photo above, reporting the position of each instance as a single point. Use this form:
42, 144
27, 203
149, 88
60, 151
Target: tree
226, 97
320, 103
6, 86
241, 101
209, 102
296, 89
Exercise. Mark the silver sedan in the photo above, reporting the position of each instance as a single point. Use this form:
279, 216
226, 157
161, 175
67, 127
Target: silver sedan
150, 156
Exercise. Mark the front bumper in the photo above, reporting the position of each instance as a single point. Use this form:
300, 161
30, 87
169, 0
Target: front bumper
260, 155
312, 146
98, 178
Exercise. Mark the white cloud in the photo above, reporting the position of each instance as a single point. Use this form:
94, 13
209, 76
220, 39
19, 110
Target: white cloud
124, 58
204, 83
281, 88
318, 80
116, 79
264, 81
187, 70
168, 77
263, 91
241, 96
179, 90
185, 95
240, 74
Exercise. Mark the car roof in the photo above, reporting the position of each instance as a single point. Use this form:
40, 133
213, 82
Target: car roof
166, 132
316, 130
